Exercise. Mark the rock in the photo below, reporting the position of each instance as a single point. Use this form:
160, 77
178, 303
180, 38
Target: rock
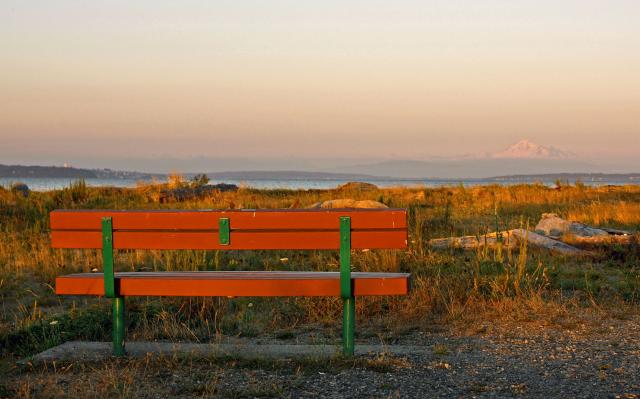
552, 225
357, 186
188, 193
223, 187
21, 189
348, 203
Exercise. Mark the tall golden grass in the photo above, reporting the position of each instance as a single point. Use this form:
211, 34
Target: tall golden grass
447, 286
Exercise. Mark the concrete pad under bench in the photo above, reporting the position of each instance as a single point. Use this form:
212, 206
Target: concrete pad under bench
96, 351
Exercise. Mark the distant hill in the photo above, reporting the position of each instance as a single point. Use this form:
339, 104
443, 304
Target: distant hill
288, 175
22, 172
470, 168
631, 178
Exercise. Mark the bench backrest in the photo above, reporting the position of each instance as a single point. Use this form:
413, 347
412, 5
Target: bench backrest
227, 230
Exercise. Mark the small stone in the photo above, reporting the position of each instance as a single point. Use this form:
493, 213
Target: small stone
21, 189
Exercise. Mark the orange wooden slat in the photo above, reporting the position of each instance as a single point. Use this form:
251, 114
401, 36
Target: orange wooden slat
234, 284
290, 219
364, 239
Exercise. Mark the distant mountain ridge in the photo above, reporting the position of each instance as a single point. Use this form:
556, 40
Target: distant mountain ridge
289, 175
632, 178
36, 171
524, 158
471, 168
44, 172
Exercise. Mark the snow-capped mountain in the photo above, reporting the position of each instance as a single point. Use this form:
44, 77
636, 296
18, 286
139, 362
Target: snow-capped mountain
524, 157
525, 149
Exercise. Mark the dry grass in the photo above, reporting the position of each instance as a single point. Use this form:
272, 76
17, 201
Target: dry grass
470, 292
449, 288
180, 376
621, 213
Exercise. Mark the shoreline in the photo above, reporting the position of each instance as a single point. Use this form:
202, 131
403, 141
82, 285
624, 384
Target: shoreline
52, 184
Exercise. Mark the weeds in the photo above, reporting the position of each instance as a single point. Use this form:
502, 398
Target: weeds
446, 286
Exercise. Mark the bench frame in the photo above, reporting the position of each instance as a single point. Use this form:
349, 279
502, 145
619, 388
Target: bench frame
118, 303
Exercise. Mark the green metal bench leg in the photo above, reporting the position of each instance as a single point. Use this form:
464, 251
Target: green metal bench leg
349, 326
346, 289
110, 288
118, 326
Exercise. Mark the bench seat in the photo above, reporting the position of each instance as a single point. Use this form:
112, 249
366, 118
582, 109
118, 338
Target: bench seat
234, 283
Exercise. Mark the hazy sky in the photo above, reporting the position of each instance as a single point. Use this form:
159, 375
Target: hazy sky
401, 79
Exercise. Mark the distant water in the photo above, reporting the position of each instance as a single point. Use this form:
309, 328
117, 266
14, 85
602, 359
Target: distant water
45, 184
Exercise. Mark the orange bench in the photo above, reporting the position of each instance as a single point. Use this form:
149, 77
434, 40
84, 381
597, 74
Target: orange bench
335, 229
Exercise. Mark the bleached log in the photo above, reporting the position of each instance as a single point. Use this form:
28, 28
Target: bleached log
575, 233
617, 232
559, 236
348, 203
540, 241
606, 240
472, 242
511, 238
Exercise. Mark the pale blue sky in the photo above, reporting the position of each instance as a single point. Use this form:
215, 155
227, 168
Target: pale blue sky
404, 79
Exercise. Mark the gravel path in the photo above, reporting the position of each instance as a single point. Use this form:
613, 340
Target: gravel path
512, 362
496, 362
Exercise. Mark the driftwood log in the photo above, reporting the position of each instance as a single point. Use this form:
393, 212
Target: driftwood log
348, 203
575, 233
553, 233
540, 241
472, 242
510, 239
601, 240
